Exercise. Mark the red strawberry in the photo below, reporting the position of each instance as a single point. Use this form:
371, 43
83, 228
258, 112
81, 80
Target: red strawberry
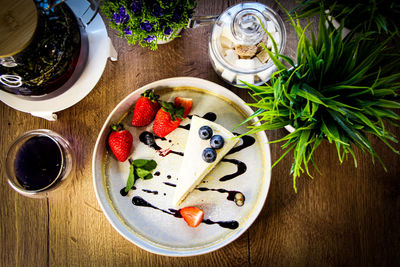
145, 109
120, 142
193, 216
186, 103
167, 119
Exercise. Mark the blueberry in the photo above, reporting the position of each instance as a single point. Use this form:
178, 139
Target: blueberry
209, 154
150, 139
205, 132
217, 141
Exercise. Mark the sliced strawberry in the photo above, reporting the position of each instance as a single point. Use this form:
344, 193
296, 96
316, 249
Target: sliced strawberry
186, 103
120, 142
193, 216
167, 119
145, 109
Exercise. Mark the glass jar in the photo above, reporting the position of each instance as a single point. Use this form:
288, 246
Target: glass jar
236, 43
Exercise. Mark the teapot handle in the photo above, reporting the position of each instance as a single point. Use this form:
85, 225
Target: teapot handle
95, 7
197, 21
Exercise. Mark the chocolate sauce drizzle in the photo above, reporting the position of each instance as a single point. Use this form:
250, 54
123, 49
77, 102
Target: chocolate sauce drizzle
225, 224
241, 168
211, 116
246, 142
149, 139
170, 184
231, 193
150, 191
138, 201
124, 193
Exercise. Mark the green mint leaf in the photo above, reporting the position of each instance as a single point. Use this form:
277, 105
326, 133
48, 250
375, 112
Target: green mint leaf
148, 176
140, 162
131, 179
142, 173
149, 166
145, 164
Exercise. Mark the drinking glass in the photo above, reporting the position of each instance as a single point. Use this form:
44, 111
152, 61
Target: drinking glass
38, 162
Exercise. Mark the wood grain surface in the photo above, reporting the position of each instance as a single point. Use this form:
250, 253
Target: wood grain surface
345, 216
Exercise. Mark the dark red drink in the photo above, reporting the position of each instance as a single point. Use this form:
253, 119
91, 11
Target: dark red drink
38, 163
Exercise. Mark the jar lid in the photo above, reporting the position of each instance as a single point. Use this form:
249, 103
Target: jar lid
18, 22
240, 39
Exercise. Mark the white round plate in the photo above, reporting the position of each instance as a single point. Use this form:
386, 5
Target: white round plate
154, 227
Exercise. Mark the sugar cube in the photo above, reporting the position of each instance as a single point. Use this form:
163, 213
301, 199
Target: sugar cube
228, 75
245, 63
266, 74
225, 42
249, 78
231, 56
263, 56
227, 33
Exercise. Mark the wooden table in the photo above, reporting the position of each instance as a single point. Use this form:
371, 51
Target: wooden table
345, 216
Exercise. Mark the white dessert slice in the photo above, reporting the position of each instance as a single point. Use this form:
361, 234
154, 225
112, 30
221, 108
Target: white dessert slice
193, 168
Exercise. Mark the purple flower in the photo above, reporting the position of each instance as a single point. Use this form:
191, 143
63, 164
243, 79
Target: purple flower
121, 16
149, 38
177, 14
137, 6
168, 30
146, 26
116, 18
127, 31
157, 11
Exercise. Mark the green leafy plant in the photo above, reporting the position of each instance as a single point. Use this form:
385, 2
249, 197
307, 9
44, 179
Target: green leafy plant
370, 15
147, 21
339, 90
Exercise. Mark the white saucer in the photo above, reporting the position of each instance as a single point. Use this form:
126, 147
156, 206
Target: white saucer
100, 48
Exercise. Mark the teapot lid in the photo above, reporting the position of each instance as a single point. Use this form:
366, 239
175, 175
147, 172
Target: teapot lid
18, 22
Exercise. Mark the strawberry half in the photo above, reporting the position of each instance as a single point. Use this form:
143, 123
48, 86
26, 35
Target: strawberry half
193, 216
186, 103
120, 142
145, 109
167, 119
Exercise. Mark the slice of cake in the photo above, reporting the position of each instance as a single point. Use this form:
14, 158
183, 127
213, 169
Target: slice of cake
207, 143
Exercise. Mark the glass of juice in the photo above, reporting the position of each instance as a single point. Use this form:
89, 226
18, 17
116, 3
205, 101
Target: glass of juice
38, 162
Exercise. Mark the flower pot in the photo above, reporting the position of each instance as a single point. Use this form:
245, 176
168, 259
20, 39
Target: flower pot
169, 39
